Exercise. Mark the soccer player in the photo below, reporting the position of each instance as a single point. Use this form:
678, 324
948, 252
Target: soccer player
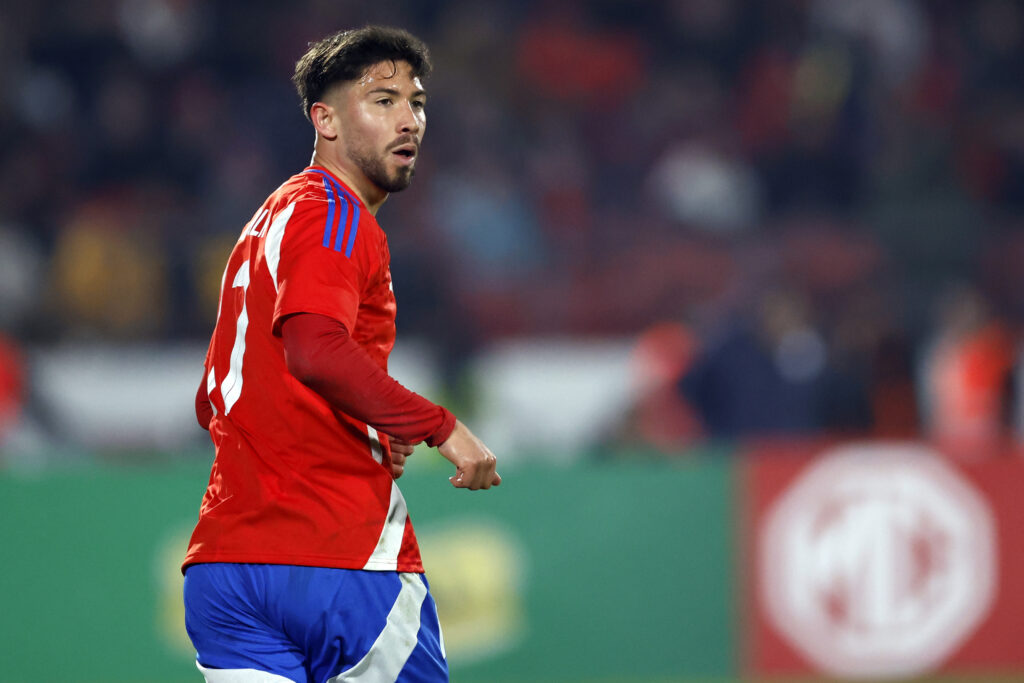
303, 565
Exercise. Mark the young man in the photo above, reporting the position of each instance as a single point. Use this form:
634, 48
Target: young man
304, 565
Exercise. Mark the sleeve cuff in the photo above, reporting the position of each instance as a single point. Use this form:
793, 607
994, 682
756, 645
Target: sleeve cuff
442, 433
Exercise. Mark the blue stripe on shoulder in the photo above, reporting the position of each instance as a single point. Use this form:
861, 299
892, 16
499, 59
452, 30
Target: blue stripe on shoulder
338, 195
342, 220
329, 225
352, 232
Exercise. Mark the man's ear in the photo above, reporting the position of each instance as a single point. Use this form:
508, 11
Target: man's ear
324, 120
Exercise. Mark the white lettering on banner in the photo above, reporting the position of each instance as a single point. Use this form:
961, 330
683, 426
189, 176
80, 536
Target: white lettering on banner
878, 561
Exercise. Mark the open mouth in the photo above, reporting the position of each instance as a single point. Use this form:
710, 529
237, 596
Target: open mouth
405, 153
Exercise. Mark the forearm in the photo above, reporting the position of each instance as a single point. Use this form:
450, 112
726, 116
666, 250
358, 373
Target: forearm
321, 354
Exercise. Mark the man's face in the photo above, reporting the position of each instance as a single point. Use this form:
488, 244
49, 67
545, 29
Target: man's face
383, 117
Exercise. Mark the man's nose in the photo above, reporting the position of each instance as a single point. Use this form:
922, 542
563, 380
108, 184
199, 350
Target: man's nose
408, 122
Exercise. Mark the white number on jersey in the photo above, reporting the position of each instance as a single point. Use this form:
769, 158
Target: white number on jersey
231, 387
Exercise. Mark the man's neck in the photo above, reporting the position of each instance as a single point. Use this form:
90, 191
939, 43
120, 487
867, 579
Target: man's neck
371, 195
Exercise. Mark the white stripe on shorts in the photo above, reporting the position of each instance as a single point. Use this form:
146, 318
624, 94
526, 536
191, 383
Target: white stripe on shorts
388, 654
240, 676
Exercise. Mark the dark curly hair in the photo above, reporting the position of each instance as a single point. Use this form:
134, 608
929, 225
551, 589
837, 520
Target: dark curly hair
345, 56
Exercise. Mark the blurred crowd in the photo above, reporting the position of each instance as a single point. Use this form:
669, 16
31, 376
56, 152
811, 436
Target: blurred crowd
808, 212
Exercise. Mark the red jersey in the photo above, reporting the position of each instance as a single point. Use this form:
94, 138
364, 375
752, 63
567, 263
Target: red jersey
296, 481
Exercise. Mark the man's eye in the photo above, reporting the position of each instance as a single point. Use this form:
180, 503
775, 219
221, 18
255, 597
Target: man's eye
384, 100
418, 104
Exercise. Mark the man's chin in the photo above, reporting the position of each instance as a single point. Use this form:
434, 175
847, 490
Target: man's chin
385, 176
398, 181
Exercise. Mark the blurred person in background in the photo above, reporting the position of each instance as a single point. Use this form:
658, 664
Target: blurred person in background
12, 387
20, 270
660, 416
302, 515
966, 375
765, 377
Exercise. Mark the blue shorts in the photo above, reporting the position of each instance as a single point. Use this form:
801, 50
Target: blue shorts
265, 622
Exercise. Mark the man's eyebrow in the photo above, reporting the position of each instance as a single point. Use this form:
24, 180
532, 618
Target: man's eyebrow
394, 91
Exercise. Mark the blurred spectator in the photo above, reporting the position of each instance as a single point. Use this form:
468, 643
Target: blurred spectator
895, 32
109, 276
965, 375
704, 189
564, 57
489, 226
765, 377
21, 266
12, 387
874, 359
661, 417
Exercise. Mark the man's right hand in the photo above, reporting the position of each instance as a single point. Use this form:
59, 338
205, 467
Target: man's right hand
474, 463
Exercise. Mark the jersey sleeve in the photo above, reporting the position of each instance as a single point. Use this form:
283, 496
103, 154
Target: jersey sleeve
314, 275
322, 355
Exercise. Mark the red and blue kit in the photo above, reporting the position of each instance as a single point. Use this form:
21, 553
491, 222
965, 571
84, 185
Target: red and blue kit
300, 479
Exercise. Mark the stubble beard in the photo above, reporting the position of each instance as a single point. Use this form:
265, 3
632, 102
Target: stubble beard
374, 168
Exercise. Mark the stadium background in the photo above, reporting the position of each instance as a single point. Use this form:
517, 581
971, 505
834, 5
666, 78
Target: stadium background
663, 256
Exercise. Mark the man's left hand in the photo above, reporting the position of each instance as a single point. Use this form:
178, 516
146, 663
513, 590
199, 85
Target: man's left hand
400, 450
